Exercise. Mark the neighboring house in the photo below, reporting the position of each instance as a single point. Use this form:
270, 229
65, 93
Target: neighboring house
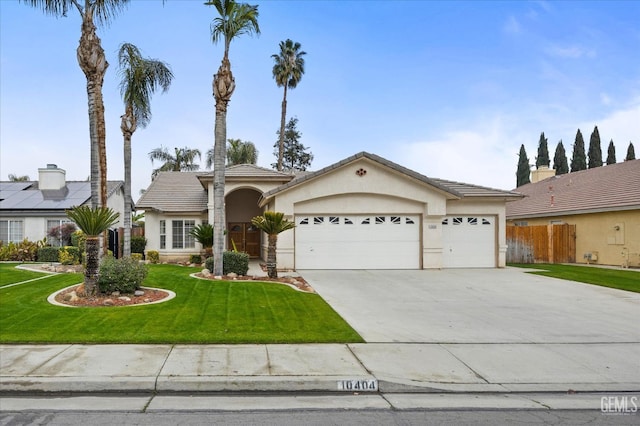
30, 209
364, 212
603, 203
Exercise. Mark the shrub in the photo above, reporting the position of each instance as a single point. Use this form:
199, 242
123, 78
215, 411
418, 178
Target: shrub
25, 251
69, 255
209, 263
153, 256
48, 254
136, 256
232, 261
195, 258
138, 244
124, 275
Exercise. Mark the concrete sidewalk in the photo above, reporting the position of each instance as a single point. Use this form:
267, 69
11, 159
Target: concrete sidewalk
392, 367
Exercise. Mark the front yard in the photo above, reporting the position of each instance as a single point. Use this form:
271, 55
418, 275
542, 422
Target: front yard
202, 312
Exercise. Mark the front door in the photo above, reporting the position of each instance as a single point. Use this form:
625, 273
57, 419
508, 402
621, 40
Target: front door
244, 237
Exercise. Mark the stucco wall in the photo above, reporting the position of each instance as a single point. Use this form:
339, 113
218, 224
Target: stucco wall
597, 232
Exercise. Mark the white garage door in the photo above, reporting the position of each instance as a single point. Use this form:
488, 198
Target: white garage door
357, 242
469, 242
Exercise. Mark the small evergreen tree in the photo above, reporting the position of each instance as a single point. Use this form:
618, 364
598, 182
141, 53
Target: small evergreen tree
295, 156
543, 152
522, 174
579, 158
595, 149
560, 164
611, 153
631, 153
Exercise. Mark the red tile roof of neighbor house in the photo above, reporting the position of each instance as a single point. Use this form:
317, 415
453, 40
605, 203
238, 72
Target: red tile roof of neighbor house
608, 188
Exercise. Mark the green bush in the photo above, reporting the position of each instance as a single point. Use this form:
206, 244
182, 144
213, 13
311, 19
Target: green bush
69, 255
48, 254
25, 251
153, 256
136, 256
195, 258
138, 244
232, 261
124, 275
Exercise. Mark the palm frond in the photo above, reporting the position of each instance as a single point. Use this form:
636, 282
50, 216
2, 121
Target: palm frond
93, 221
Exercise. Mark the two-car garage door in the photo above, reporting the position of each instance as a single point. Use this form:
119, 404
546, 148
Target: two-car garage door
390, 242
357, 242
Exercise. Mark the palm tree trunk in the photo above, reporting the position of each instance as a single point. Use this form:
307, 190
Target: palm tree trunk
283, 117
128, 126
92, 246
272, 263
223, 86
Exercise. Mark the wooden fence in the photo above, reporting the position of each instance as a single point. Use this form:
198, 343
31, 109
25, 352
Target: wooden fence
541, 244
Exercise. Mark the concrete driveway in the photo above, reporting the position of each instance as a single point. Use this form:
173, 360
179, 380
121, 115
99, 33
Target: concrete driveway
477, 306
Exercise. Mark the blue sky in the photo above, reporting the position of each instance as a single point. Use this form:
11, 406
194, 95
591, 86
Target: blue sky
449, 89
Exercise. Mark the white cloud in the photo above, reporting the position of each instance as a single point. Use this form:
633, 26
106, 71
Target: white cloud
512, 26
571, 52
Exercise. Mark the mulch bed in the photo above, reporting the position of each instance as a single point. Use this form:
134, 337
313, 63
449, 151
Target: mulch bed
107, 300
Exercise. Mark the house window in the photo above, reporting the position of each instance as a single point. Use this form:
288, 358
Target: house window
181, 234
11, 231
163, 234
55, 223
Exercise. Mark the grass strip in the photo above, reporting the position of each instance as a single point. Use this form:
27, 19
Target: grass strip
606, 277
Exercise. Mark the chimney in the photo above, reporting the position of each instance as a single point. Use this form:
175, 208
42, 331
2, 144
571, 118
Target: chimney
51, 178
542, 173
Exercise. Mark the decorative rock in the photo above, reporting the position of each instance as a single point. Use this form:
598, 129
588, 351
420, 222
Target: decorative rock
71, 297
147, 300
115, 293
138, 293
108, 302
232, 275
80, 290
206, 273
124, 298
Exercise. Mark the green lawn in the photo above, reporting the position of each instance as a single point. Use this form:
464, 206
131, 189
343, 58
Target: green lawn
202, 312
614, 278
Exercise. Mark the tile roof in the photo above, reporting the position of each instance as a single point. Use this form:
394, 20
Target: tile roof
607, 188
25, 196
175, 192
455, 189
253, 171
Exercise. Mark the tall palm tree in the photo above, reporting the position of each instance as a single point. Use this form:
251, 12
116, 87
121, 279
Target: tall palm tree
94, 64
183, 160
272, 223
93, 221
140, 77
287, 71
235, 19
238, 152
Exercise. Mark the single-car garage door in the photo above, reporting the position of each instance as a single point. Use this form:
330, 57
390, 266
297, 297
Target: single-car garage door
357, 242
469, 242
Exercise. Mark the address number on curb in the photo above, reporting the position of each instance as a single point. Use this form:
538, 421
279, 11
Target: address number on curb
358, 385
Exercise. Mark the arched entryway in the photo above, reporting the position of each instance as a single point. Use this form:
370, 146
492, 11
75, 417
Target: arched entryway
241, 206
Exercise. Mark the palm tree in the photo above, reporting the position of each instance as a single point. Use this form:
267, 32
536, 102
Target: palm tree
272, 223
182, 161
287, 71
16, 178
93, 221
94, 64
238, 152
235, 20
140, 77
204, 235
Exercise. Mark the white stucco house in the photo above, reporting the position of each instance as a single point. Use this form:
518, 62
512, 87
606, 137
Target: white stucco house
30, 209
364, 212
